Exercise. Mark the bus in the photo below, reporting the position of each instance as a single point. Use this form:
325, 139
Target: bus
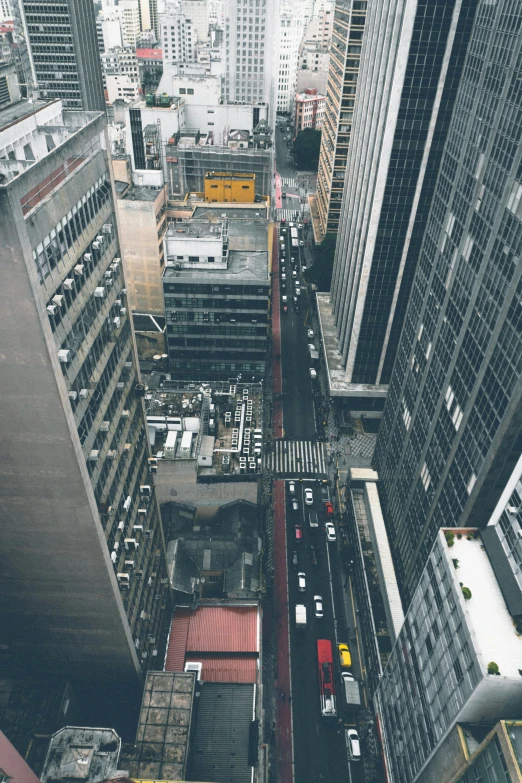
295, 248
326, 678
293, 233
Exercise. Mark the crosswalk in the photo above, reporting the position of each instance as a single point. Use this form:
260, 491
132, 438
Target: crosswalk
286, 214
289, 182
297, 458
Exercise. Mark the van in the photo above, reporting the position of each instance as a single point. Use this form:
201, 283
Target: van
353, 745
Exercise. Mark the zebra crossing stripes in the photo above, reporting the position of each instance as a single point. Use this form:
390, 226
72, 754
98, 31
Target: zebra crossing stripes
289, 182
297, 457
287, 214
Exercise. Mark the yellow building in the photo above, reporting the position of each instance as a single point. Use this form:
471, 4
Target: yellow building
223, 187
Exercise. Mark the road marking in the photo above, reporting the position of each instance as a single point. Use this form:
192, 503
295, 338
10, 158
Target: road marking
331, 593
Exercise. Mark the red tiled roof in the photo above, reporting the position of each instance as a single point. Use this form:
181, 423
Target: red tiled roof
175, 659
224, 629
227, 669
149, 54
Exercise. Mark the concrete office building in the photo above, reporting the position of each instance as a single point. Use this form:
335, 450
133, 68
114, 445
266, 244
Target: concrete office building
178, 37
197, 12
216, 287
290, 35
120, 73
314, 50
251, 56
130, 21
411, 62
84, 582
457, 659
343, 54
62, 59
450, 434
309, 110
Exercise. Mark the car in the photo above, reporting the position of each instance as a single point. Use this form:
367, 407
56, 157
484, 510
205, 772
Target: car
294, 272
309, 496
313, 373
318, 606
283, 195
301, 582
295, 559
295, 504
283, 269
347, 677
301, 243
345, 659
299, 225
283, 276
291, 225
329, 509
284, 299
294, 299
314, 556
330, 531
303, 267
298, 532
353, 746
311, 347
297, 291
310, 334
291, 487
283, 286
297, 308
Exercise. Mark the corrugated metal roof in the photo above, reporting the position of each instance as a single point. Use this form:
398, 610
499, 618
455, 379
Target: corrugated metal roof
224, 629
226, 669
179, 629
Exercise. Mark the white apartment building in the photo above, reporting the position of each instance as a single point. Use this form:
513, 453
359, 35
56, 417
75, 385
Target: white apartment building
121, 75
251, 57
216, 13
5, 10
290, 35
130, 21
109, 23
197, 12
178, 37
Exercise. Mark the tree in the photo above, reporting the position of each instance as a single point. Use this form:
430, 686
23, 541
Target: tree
320, 272
306, 149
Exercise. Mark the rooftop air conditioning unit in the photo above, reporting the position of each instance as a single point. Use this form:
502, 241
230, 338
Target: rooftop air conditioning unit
123, 311
87, 257
125, 414
120, 385
57, 300
153, 461
129, 564
99, 292
116, 261
127, 448
68, 284
117, 322
138, 528
144, 615
51, 308
99, 238
127, 503
117, 303
123, 578
108, 274
73, 395
78, 269
84, 393
142, 512
96, 245
104, 427
121, 525
109, 282
64, 355
107, 228
512, 509
123, 292
131, 543
112, 454
128, 365
93, 456
146, 490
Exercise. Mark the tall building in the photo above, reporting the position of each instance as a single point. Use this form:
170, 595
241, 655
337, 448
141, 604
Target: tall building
129, 11
451, 428
178, 37
85, 591
290, 35
251, 51
411, 62
457, 660
63, 59
197, 12
345, 52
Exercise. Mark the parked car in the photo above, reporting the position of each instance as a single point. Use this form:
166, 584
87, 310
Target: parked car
353, 746
309, 497
295, 504
318, 606
298, 532
329, 509
299, 226
294, 273
283, 286
301, 582
303, 267
283, 269
330, 532
345, 659
283, 276
347, 677
283, 194
291, 487
295, 561
313, 373
284, 299
310, 334
301, 243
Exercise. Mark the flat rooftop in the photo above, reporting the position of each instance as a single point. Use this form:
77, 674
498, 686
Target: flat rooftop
239, 212
490, 624
134, 193
18, 111
196, 229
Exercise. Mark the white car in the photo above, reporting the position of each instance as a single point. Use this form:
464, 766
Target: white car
283, 276
301, 582
318, 606
301, 243
284, 299
309, 497
330, 531
310, 334
291, 487
295, 505
353, 745
347, 677
303, 267
294, 273
311, 347
313, 373
299, 225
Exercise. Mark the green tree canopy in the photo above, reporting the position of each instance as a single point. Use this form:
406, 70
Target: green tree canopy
320, 272
306, 149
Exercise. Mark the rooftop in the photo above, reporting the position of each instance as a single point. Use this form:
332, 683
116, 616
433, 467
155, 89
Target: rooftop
149, 54
199, 229
490, 624
135, 193
78, 753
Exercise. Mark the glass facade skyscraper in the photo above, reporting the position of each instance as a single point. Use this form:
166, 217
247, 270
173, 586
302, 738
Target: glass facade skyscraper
410, 65
451, 431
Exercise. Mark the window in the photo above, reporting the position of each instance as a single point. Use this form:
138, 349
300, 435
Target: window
457, 668
211, 259
182, 91
193, 259
190, 91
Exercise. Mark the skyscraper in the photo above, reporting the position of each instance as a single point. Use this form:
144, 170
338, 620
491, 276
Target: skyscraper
251, 36
410, 65
451, 430
345, 53
85, 590
63, 53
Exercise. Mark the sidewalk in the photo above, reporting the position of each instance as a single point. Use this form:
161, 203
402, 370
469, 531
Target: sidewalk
277, 384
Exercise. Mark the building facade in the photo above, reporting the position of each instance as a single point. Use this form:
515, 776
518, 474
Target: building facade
129, 11
344, 53
85, 594
309, 110
120, 72
62, 49
216, 288
450, 434
251, 52
457, 635
178, 37
290, 35
393, 161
